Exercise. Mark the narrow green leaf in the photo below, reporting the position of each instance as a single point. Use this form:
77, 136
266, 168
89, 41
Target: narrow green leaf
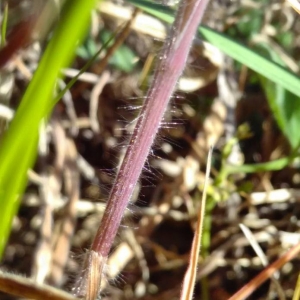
4, 25
237, 51
284, 105
18, 145
274, 165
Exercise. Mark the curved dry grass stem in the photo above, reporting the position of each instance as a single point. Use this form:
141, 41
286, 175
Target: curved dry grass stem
102, 64
190, 275
252, 285
295, 5
27, 288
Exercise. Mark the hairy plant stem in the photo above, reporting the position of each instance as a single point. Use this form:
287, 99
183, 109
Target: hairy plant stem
170, 66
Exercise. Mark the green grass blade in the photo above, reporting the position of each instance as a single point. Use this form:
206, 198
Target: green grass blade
286, 110
4, 25
284, 105
237, 51
254, 61
19, 143
273, 165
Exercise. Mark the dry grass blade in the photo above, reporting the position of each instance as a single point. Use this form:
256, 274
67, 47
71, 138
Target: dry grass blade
144, 23
90, 282
295, 5
19, 37
95, 275
119, 41
251, 286
263, 258
27, 288
296, 295
50, 191
120, 38
190, 275
67, 227
94, 103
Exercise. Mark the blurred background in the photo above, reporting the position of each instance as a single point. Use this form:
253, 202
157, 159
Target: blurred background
219, 101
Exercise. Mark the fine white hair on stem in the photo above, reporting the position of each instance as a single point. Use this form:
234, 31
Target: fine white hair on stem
169, 68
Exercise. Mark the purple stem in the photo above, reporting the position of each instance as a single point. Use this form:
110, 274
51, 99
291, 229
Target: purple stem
168, 70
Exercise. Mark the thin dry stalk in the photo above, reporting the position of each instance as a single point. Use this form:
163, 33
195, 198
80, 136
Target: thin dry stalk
263, 258
295, 5
296, 295
28, 289
190, 275
94, 102
100, 67
252, 285
67, 227
50, 191
18, 38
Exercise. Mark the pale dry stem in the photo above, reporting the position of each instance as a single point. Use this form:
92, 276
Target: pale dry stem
28, 289
190, 275
89, 284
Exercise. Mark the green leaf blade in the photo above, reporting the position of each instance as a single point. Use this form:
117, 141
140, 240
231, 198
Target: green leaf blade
18, 146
